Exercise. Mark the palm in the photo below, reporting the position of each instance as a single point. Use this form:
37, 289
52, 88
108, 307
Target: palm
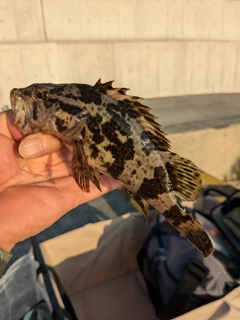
34, 193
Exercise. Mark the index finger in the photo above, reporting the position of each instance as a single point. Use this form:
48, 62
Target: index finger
13, 129
8, 127
47, 143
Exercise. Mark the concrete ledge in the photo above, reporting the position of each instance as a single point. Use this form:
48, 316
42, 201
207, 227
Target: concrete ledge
203, 128
213, 150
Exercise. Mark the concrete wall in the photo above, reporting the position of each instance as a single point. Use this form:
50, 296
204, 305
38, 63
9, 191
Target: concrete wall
214, 150
155, 47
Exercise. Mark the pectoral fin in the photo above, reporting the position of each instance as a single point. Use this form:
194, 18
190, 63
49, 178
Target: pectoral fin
75, 132
81, 171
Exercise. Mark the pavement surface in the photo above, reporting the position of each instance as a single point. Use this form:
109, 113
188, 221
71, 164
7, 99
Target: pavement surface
196, 112
176, 114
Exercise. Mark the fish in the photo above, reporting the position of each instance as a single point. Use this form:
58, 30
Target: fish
113, 133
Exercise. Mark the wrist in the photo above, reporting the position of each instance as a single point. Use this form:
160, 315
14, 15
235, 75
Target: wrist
6, 246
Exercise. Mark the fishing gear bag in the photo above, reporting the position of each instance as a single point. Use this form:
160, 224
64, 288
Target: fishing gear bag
97, 271
178, 277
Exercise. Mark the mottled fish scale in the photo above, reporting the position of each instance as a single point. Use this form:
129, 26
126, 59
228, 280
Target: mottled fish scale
113, 133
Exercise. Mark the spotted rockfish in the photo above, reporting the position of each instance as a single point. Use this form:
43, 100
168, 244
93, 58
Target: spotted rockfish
112, 133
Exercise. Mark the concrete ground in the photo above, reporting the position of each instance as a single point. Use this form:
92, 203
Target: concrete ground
177, 114
196, 112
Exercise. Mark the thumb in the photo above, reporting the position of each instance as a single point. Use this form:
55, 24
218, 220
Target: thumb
38, 144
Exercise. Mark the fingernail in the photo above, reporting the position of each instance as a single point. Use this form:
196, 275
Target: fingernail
31, 148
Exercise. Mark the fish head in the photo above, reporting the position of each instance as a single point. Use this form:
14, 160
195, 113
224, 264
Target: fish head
28, 106
50, 108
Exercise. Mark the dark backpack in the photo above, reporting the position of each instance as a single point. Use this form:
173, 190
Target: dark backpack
178, 277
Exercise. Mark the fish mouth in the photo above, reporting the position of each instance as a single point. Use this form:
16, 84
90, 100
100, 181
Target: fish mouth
21, 112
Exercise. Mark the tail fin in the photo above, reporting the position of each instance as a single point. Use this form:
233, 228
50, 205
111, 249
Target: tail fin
190, 228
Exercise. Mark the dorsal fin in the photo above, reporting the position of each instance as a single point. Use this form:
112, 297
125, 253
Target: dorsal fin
139, 111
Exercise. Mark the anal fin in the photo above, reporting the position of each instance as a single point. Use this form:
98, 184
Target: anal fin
141, 202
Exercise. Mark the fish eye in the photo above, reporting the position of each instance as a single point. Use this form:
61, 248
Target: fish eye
41, 95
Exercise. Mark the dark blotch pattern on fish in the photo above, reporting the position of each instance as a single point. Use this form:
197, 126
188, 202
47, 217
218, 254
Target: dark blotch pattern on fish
119, 108
59, 90
175, 218
148, 145
27, 91
71, 109
121, 152
72, 96
48, 103
124, 126
35, 110
61, 125
94, 151
152, 188
93, 124
89, 95
110, 129
83, 132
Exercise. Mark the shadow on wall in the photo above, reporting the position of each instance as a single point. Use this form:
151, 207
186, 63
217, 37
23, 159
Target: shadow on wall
235, 170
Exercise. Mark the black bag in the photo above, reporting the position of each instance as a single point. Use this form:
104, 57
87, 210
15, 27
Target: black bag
226, 214
178, 277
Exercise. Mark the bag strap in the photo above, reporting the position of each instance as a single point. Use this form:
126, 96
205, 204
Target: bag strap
195, 273
58, 312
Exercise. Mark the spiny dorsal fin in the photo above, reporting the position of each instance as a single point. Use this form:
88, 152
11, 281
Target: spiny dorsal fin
140, 112
185, 176
116, 93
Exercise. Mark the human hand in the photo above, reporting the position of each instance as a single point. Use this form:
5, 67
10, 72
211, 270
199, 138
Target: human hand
36, 187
